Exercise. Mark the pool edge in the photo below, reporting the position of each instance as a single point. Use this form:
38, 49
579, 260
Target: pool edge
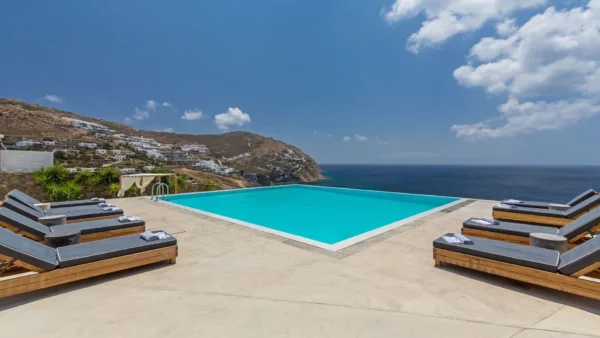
330, 247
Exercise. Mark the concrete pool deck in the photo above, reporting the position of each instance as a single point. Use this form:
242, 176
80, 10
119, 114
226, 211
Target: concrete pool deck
231, 281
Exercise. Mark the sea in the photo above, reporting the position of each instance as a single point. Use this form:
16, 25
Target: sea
557, 184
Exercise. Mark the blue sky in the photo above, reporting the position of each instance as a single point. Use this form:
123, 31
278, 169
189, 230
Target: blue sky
484, 81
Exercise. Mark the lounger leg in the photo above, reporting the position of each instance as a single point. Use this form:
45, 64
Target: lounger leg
438, 262
173, 260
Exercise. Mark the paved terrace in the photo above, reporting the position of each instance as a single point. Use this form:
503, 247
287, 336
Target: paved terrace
230, 281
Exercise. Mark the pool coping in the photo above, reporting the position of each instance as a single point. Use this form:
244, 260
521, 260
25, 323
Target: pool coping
330, 247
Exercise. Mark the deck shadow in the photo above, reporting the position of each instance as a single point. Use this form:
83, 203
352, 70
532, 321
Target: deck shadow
29, 297
582, 303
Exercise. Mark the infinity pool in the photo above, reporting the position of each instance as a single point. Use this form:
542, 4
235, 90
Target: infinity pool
330, 218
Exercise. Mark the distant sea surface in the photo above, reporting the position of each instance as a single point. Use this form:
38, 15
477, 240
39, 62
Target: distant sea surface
539, 183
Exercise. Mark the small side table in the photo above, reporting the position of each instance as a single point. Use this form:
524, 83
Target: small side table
53, 220
549, 241
59, 239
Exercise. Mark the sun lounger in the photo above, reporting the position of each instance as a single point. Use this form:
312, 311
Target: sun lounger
18, 196
528, 264
545, 216
546, 205
90, 231
24, 198
29, 265
73, 216
575, 232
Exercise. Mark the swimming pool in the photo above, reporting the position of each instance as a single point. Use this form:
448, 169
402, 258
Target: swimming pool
329, 218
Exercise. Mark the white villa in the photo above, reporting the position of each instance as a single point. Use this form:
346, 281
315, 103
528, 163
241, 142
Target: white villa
87, 145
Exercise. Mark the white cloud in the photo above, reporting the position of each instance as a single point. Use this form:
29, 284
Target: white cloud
346, 139
360, 138
506, 27
526, 117
52, 98
192, 114
127, 120
169, 130
445, 19
166, 104
140, 114
151, 105
233, 117
548, 68
383, 143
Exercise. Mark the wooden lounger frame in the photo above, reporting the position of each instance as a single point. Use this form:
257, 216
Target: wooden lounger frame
69, 221
22, 277
571, 284
84, 238
520, 239
535, 219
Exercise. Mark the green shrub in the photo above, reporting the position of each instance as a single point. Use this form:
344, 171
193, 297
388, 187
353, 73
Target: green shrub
107, 176
180, 183
86, 177
133, 191
60, 155
113, 189
66, 191
210, 185
53, 174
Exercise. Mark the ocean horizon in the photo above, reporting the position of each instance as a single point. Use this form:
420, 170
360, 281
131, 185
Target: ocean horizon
553, 183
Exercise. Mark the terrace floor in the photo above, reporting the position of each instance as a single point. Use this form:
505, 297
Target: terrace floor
230, 281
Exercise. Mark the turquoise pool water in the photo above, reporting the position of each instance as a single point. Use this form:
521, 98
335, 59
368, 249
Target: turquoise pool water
322, 214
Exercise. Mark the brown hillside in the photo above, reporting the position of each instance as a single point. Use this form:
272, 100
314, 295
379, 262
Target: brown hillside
25, 121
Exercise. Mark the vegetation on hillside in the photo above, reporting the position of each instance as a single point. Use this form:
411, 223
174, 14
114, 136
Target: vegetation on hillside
60, 185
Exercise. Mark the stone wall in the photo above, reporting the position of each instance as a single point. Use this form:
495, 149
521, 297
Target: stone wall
21, 181
25, 183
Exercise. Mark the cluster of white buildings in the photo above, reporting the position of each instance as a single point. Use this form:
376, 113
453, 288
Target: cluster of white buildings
214, 166
291, 155
98, 128
196, 148
116, 154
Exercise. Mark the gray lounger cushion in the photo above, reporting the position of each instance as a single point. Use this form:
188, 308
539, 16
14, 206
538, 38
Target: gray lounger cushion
23, 223
582, 197
109, 248
21, 209
30, 200
584, 223
26, 224
532, 211
529, 204
24, 249
532, 257
580, 257
509, 228
575, 228
71, 214
83, 214
545, 205
571, 212
583, 206
23, 199
14, 197
97, 226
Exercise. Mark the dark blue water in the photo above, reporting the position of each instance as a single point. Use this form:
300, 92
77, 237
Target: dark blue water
554, 184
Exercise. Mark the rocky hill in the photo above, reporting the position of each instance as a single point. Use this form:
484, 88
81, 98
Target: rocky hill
272, 160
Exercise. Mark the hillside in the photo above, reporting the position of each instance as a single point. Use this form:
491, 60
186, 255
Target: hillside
272, 160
